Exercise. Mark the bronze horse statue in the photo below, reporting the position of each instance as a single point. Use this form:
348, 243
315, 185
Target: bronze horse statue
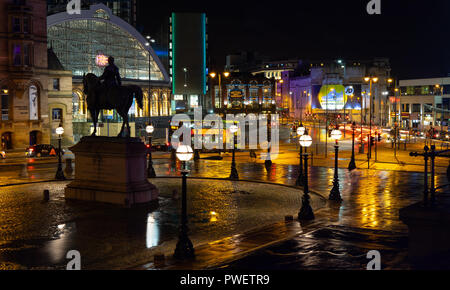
120, 98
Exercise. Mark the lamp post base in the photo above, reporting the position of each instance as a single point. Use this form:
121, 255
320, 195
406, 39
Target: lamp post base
352, 164
151, 171
234, 174
184, 249
60, 174
335, 194
306, 212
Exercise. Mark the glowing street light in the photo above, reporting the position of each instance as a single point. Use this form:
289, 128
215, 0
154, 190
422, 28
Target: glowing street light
59, 172
306, 212
335, 194
150, 170
184, 248
300, 132
234, 174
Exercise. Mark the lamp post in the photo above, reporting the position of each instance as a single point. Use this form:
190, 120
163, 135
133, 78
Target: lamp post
352, 164
149, 73
335, 194
59, 173
370, 80
184, 248
306, 212
300, 132
150, 170
213, 75
234, 174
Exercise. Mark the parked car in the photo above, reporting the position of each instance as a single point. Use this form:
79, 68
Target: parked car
2, 154
40, 150
159, 145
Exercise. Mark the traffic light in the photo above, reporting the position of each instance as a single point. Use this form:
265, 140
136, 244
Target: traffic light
379, 137
372, 140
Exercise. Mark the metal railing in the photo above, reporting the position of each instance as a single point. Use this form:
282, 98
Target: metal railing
431, 154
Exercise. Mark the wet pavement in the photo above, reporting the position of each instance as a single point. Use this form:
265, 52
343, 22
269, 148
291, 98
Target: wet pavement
37, 235
330, 248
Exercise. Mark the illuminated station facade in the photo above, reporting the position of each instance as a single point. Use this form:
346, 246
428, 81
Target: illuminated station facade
83, 42
337, 91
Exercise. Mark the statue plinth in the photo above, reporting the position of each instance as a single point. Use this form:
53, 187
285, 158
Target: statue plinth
111, 170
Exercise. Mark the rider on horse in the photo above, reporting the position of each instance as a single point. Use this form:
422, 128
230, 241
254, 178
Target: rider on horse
111, 74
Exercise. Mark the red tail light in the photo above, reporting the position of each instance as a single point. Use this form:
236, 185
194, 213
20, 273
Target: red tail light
148, 146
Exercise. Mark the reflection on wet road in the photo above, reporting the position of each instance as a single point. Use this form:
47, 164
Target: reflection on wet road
371, 200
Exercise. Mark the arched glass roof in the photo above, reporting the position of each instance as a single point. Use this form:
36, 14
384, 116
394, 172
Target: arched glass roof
78, 39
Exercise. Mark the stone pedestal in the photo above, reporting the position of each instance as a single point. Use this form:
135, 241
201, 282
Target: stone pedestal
429, 231
111, 170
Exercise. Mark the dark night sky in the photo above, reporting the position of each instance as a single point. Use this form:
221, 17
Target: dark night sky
413, 34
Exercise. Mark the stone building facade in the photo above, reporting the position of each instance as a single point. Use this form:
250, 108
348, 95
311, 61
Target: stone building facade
24, 74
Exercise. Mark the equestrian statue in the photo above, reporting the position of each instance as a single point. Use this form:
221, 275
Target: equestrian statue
110, 94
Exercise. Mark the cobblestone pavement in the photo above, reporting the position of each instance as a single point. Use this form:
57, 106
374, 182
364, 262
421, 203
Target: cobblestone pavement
372, 199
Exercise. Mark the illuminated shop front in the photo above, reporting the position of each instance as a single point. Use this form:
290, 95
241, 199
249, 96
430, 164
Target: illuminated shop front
83, 42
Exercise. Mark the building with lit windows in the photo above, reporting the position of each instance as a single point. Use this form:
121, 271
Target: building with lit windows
420, 104
243, 93
83, 42
333, 89
31, 86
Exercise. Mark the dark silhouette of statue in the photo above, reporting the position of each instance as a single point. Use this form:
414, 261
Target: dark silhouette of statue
111, 74
110, 95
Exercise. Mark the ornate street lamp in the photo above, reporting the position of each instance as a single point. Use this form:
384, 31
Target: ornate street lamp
184, 248
59, 173
306, 212
234, 173
352, 164
150, 170
300, 132
335, 194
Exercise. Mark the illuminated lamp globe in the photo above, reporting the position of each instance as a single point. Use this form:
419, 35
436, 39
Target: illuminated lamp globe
305, 141
301, 130
60, 130
233, 129
149, 129
184, 153
336, 134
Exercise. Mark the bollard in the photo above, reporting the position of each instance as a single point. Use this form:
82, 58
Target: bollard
46, 195
69, 168
159, 260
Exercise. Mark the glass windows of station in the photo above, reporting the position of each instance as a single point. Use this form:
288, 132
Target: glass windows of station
78, 42
79, 108
165, 105
155, 106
